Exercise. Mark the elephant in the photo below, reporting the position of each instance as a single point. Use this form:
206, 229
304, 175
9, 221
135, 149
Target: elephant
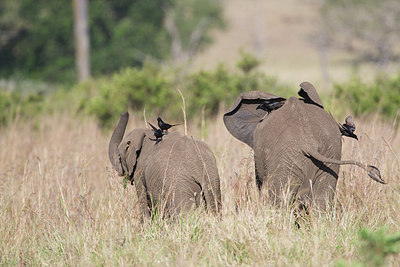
297, 146
171, 175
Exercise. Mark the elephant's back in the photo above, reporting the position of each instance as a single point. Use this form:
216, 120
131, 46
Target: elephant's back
299, 124
324, 131
176, 150
280, 139
175, 169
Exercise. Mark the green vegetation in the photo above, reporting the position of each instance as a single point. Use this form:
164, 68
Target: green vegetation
381, 96
137, 89
194, 19
155, 90
25, 106
375, 247
119, 31
210, 89
37, 40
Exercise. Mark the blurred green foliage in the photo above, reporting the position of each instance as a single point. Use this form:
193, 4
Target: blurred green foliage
247, 62
154, 89
382, 96
23, 106
194, 17
41, 44
374, 248
131, 88
37, 38
210, 89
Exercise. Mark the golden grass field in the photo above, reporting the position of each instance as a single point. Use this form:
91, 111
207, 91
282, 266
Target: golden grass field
62, 204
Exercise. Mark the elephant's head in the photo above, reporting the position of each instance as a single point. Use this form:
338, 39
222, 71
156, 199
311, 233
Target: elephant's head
123, 152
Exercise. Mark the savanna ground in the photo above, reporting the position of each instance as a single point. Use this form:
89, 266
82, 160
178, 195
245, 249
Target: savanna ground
62, 204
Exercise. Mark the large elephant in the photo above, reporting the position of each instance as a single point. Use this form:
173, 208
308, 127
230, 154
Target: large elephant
297, 145
172, 174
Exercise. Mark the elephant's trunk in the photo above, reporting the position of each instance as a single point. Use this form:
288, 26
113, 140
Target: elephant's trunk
115, 140
373, 172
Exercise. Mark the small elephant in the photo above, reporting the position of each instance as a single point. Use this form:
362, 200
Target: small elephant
297, 145
171, 175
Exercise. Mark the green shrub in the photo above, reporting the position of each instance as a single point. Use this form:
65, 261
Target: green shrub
153, 89
248, 62
131, 88
377, 246
382, 96
210, 89
149, 87
25, 106
374, 248
7, 106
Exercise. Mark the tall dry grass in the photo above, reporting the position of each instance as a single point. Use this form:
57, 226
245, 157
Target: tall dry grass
62, 204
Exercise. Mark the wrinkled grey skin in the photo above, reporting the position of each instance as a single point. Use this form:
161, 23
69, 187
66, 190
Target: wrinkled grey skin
176, 174
297, 148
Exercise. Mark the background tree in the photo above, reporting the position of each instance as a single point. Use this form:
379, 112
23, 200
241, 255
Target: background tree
81, 31
39, 41
368, 29
37, 35
189, 23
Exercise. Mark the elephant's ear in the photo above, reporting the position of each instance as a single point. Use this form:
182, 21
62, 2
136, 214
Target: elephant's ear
243, 116
130, 149
310, 95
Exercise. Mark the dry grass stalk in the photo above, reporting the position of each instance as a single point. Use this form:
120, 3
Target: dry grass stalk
145, 119
183, 110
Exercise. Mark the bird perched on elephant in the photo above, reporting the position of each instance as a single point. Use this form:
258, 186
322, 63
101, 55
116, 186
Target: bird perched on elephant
164, 126
348, 128
175, 174
158, 133
297, 145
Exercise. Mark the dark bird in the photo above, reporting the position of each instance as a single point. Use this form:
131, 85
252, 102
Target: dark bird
349, 124
348, 127
271, 104
158, 133
164, 126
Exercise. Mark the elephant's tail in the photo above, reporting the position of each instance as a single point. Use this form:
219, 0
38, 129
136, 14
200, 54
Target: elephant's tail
373, 172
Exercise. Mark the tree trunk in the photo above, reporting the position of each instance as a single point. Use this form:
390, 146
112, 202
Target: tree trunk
81, 39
